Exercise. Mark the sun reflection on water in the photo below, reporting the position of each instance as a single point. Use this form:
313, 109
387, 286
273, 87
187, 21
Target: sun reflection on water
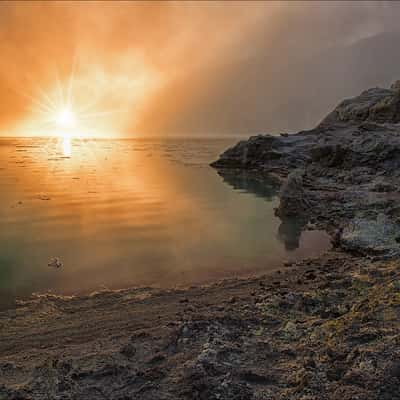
118, 213
66, 145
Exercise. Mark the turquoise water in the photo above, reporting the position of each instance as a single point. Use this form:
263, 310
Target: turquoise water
131, 213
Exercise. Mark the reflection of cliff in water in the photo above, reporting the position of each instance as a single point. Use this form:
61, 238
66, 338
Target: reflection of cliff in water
290, 229
289, 232
264, 187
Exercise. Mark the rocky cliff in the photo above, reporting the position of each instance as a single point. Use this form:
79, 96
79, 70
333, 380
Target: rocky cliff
343, 175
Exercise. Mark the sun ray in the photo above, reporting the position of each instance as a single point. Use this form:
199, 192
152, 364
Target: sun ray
36, 101
59, 88
89, 106
102, 113
77, 104
71, 81
46, 97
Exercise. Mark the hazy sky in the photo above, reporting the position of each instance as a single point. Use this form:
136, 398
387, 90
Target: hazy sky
182, 68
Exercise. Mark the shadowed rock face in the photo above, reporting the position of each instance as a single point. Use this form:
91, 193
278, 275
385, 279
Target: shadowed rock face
347, 168
360, 131
266, 153
375, 105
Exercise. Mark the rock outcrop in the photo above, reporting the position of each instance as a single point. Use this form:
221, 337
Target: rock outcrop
375, 105
266, 153
292, 199
347, 169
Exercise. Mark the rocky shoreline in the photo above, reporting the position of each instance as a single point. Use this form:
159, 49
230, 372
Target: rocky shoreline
343, 176
323, 328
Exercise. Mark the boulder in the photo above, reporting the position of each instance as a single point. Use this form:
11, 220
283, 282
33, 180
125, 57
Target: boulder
293, 201
379, 235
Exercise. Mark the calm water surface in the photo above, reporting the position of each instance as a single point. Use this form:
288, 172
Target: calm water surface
132, 213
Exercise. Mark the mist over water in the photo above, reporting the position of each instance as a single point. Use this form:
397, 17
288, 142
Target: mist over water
122, 213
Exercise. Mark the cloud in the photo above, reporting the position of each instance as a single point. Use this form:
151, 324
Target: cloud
191, 68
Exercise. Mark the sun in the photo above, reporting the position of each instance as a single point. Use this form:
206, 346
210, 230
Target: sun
66, 119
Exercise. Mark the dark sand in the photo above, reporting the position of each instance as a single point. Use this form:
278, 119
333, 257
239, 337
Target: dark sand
324, 328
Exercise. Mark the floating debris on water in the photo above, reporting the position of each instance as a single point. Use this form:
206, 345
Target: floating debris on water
55, 263
16, 204
43, 197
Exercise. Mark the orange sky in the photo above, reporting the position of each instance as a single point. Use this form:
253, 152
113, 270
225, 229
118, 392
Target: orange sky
173, 68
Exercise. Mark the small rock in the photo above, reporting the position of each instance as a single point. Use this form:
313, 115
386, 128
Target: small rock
310, 276
394, 369
128, 350
233, 299
311, 226
290, 330
55, 263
